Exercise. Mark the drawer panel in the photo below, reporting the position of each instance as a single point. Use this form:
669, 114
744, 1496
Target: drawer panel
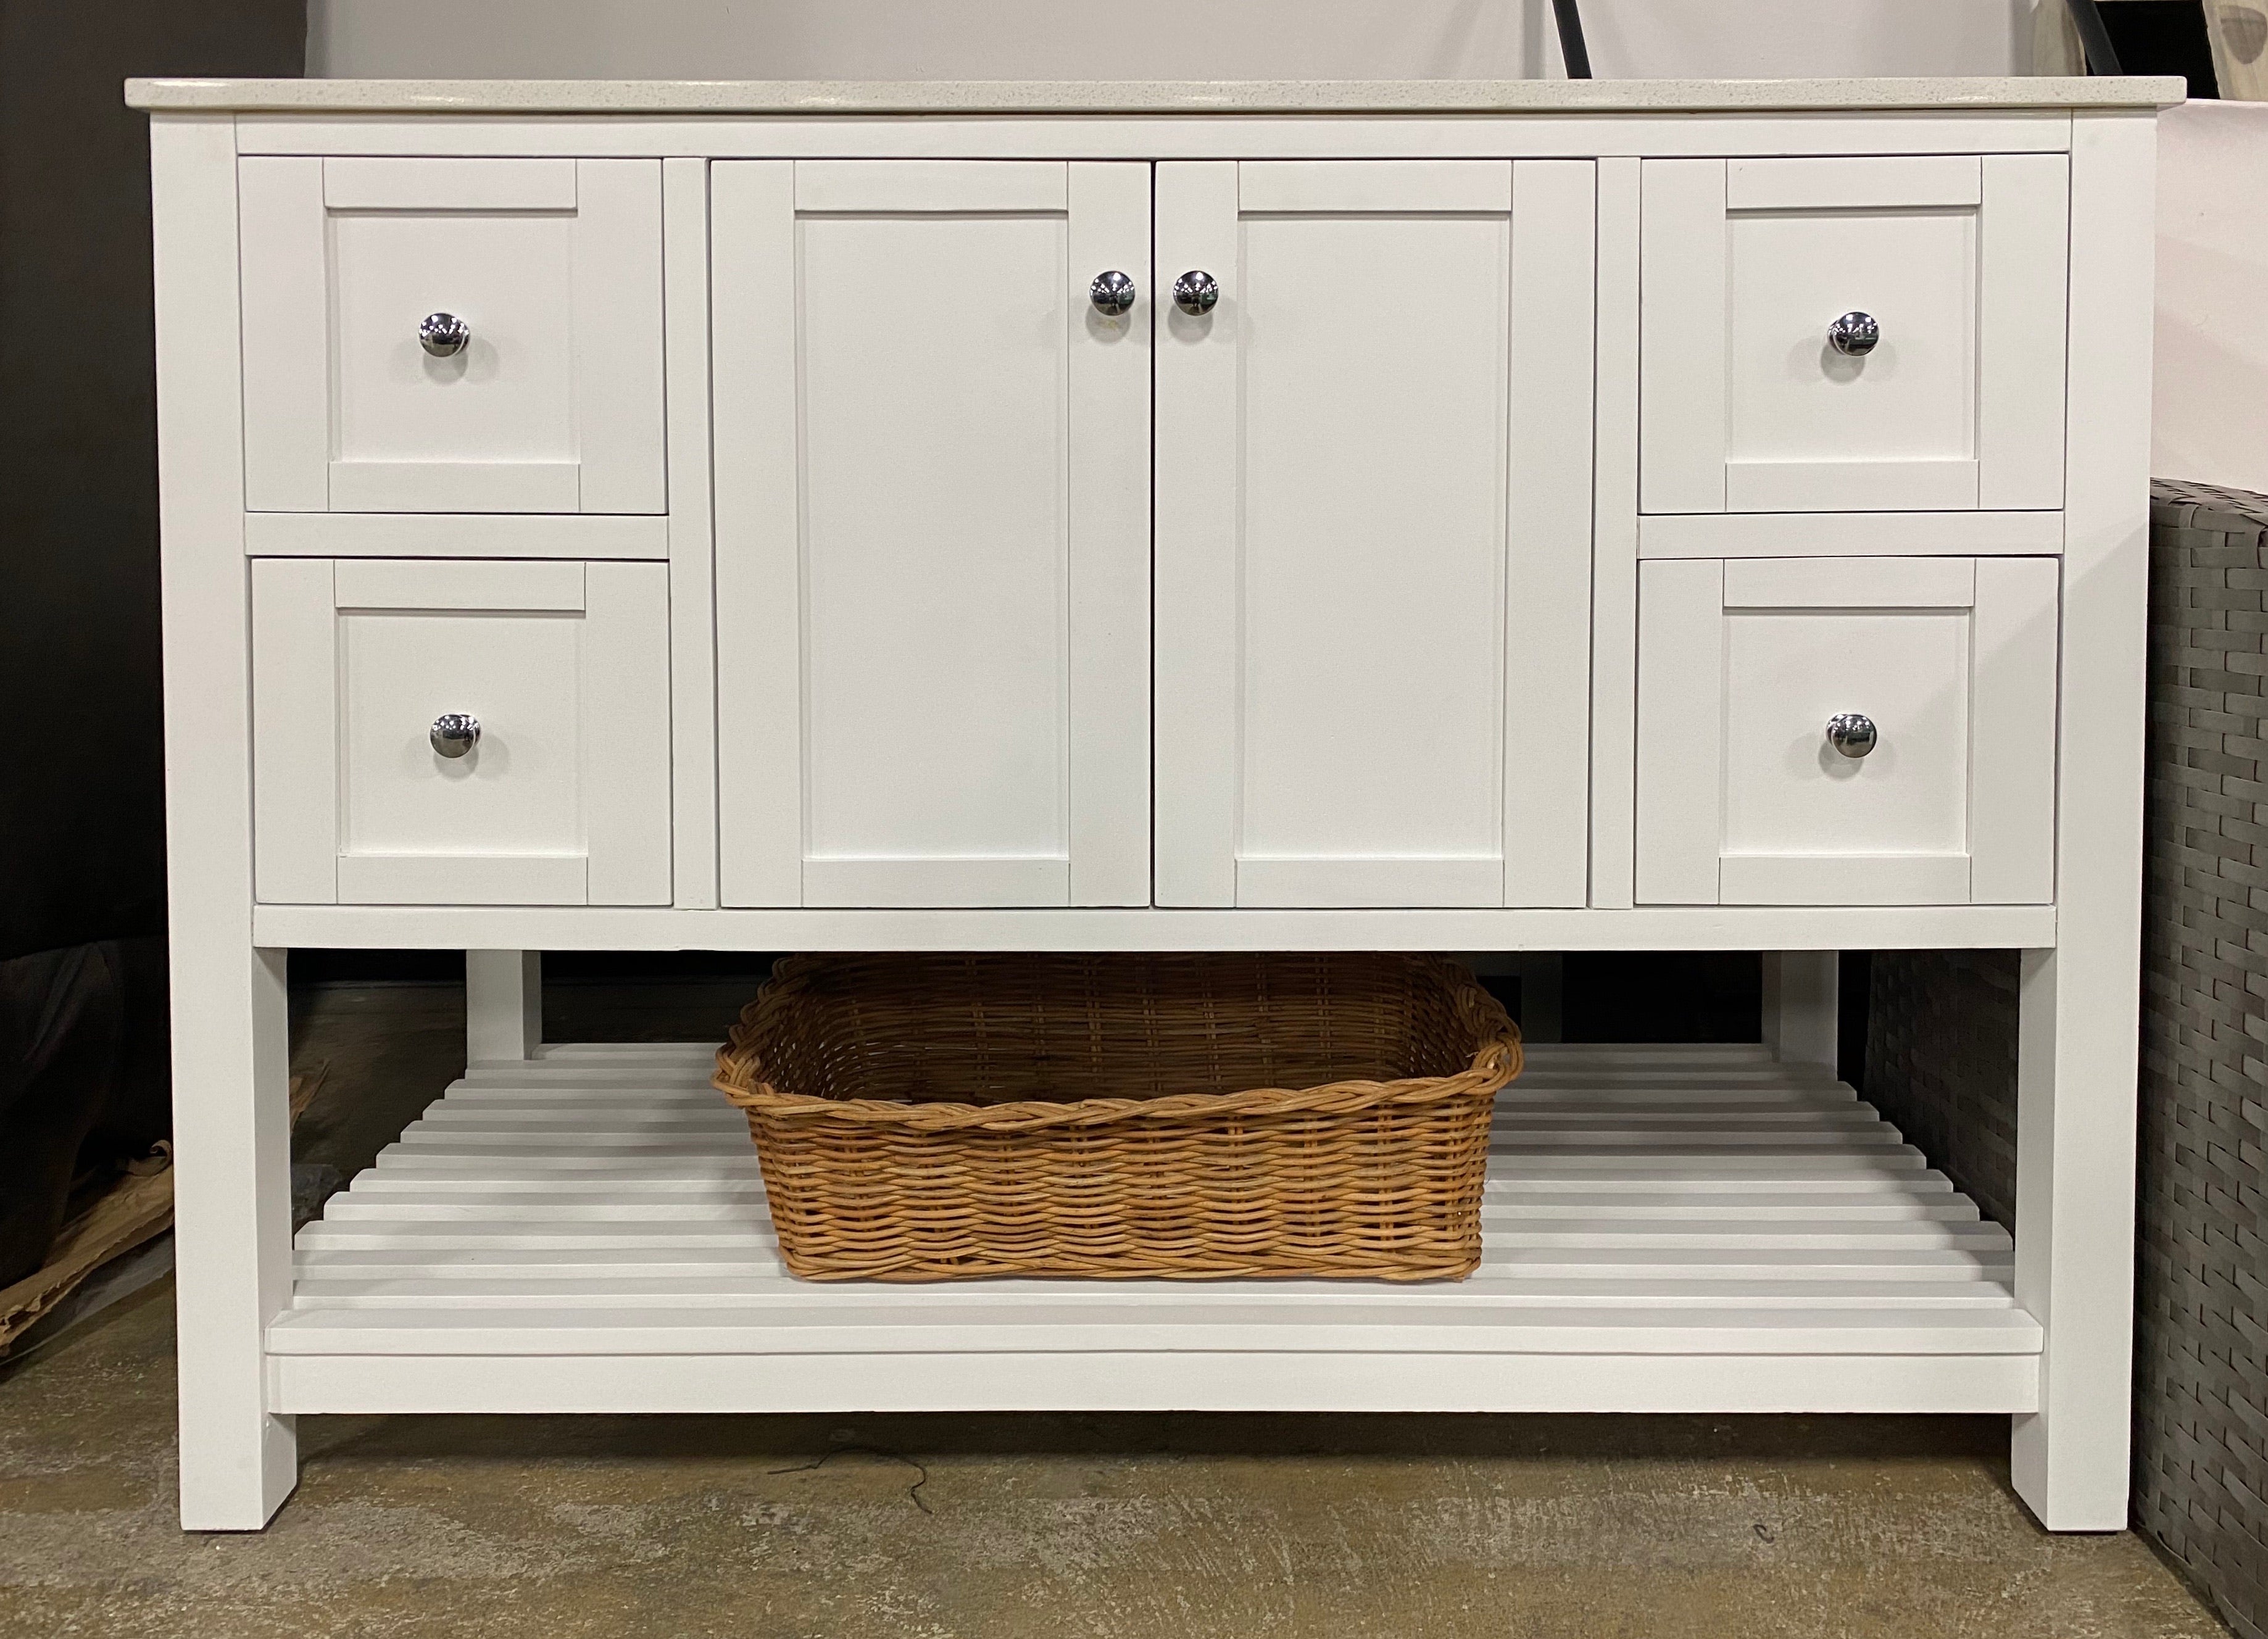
548, 399
561, 796
1937, 789
1953, 401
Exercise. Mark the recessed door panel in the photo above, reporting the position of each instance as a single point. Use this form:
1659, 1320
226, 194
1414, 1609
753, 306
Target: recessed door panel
934, 473
1373, 511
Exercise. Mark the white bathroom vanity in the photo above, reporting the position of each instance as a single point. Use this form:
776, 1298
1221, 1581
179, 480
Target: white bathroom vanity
1474, 516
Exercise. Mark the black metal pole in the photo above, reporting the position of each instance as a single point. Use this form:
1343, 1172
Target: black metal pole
2094, 39
1578, 56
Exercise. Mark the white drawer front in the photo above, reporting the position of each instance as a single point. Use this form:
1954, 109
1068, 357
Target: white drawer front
1955, 402
1744, 798
551, 400
563, 796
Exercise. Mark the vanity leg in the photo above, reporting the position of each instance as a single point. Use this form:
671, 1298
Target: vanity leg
1542, 976
231, 1228
503, 1005
232, 1093
1542, 990
1801, 998
2075, 1115
2078, 1035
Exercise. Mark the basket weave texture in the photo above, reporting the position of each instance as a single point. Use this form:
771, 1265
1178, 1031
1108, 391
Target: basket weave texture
930, 1118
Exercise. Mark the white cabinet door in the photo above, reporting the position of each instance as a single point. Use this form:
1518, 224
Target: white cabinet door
550, 400
933, 469
1373, 532
1944, 796
1747, 403
558, 793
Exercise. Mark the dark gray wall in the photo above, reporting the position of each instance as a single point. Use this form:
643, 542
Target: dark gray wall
81, 827
2201, 1347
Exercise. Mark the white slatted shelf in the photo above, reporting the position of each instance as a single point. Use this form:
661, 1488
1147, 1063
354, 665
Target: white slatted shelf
1642, 1203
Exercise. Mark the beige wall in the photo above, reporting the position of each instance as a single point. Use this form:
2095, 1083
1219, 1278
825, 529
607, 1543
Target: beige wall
2212, 400
1181, 40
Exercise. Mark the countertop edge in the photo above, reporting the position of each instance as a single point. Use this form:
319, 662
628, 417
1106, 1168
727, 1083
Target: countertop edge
983, 98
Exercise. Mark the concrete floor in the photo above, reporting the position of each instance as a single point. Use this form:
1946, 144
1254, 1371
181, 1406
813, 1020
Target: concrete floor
1004, 1526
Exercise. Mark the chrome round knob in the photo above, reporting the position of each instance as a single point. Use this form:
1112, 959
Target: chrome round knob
1112, 293
1196, 292
444, 335
1851, 734
454, 733
1854, 333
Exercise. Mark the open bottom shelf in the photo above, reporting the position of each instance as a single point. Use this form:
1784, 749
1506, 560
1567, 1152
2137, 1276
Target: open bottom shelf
1680, 1228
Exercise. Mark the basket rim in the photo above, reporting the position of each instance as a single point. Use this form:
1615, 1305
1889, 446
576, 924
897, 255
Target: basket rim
1496, 1062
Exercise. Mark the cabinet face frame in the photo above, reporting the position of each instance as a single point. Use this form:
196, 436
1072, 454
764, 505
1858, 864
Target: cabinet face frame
1977, 247
1211, 588
306, 716
592, 340
776, 617
2003, 743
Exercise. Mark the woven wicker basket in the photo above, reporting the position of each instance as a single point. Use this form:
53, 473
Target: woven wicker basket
930, 1118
